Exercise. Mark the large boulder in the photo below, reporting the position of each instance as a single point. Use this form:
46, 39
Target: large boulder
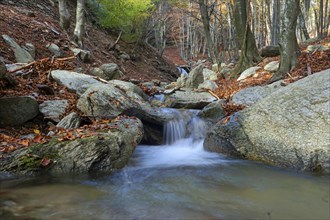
105, 100
272, 66
103, 151
53, 109
251, 95
270, 51
21, 55
289, 128
189, 99
213, 112
72, 80
131, 89
17, 110
195, 77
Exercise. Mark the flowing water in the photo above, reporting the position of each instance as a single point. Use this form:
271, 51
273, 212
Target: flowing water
178, 180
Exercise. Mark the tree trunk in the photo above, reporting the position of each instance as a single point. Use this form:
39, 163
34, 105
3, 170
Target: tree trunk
275, 31
249, 52
302, 26
289, 49
206, 24
79, 30
64, 14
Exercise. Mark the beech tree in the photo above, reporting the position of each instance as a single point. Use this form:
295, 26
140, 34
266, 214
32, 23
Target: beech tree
249, 55
289, 49
79, 30
64, 14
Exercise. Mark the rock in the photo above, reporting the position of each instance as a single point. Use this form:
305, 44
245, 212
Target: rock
45, 89
317, 47
72, 80
181, 81
124, 56
130, 89
3, 70
213, 111
209, 74
172, 85
272, 66
21, 55
53, 109
248, 72
270, 51
189, 100
17, 110
84, 55
208, 84
153, 120
105, 101
31, 49
54, 49
251, 95
103, 151
195, 77
111, 71
70, 121
289, 128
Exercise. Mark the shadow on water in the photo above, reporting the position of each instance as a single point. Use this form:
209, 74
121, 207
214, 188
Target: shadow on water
178, 180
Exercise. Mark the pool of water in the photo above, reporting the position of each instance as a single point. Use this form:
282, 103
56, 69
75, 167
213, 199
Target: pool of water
177, 181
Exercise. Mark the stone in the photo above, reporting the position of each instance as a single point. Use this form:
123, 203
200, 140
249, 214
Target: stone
84, 55
105, 100
111, 71
189, 99
3, 69
209, 74
21, 55
213, 111
71, 121
195, 77
248, 72
130, 89
104, 151
316, 47
251, 95
289, 128
54, 49
17, 110
31, 49
72, 80
208, 85
53, 109
272, 66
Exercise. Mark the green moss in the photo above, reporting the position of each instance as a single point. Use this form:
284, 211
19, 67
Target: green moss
29, 162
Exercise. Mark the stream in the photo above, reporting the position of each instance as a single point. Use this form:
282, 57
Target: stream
177, 180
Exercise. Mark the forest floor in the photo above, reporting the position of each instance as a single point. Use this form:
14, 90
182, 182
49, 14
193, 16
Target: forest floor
36, 22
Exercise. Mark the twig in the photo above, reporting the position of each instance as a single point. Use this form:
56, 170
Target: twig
213, 94
116, 42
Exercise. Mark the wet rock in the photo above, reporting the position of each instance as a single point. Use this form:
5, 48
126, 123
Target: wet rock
289, 128
213, 111
102, 152
17, 110
21, 55
53, 109
70, 121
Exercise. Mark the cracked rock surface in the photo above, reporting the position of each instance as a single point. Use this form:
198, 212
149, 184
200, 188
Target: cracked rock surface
289, 128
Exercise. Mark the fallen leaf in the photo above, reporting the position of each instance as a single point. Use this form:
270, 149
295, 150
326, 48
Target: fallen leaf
45, 161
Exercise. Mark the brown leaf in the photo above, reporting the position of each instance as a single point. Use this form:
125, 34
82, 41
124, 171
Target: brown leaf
45, 161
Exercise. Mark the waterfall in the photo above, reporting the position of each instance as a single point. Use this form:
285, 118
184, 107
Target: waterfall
185, 124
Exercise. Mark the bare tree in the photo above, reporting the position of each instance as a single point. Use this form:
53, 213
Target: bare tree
79, 30
249, 55
64, 14
289, 49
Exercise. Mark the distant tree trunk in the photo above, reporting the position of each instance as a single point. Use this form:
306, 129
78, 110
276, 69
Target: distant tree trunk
249, 52
79, 30
64, 14
302, 25
275, 31
289, 49
206, 24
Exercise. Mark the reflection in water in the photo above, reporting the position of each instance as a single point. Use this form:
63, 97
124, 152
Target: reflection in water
176, 181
